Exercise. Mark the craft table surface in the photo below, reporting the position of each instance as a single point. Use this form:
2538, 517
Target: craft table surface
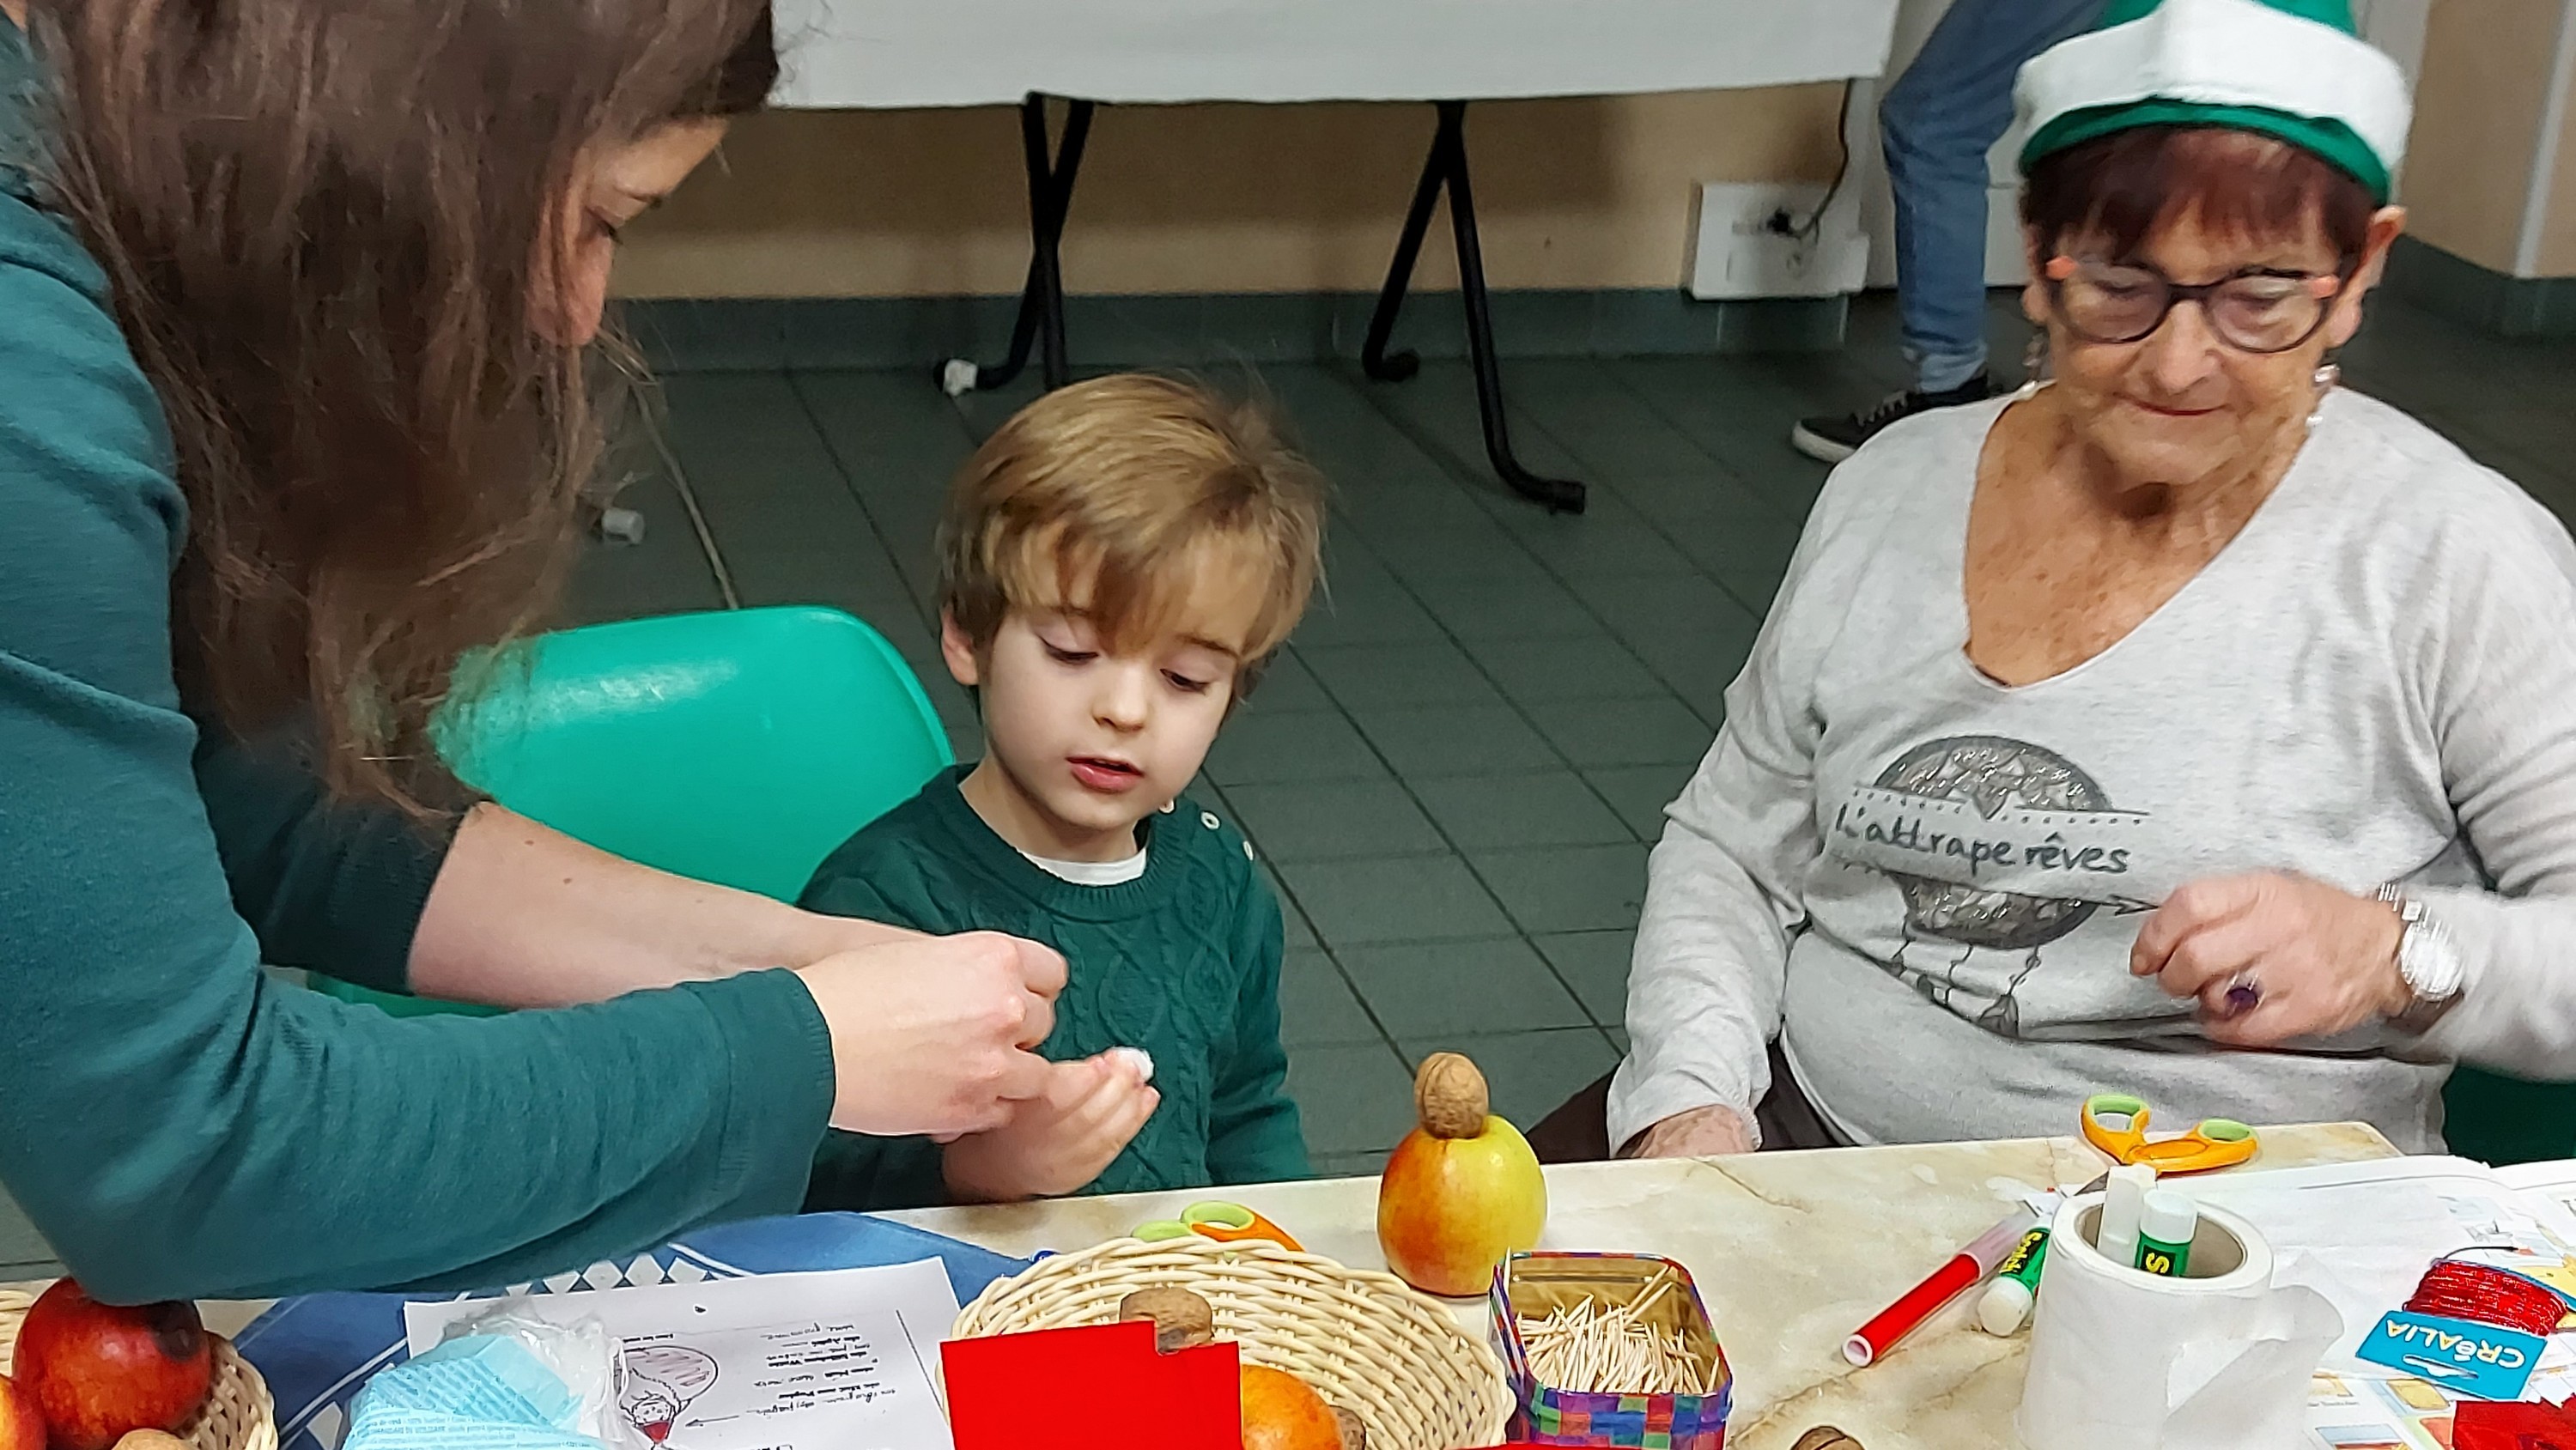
1791, 1250
896, 53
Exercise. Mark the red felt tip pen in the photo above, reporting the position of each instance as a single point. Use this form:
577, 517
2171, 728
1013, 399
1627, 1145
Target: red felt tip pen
1924, 1300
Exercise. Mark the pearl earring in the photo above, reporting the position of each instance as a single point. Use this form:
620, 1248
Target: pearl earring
2326, 379
2034, 365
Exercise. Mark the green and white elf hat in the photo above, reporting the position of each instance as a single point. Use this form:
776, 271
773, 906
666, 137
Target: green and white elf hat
2294, 69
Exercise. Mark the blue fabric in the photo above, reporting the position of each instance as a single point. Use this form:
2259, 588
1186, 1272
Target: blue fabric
318, 1351
1938, 123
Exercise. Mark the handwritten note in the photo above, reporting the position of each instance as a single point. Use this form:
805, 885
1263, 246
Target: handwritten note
839, 1360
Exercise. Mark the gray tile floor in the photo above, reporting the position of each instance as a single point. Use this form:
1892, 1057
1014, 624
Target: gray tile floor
1454, 771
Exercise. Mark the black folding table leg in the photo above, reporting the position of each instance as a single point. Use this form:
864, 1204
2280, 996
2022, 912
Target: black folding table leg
1447, 167
1040, 322
1559, 495
1374, 358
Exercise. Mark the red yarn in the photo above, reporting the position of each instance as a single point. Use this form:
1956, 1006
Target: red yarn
2484, 1294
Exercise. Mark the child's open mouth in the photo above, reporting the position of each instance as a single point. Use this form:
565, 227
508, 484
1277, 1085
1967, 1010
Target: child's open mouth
1101, 773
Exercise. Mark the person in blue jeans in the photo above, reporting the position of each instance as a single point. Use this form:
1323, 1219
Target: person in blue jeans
1938, 122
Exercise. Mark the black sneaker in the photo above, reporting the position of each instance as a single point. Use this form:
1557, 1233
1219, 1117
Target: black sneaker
1831, 440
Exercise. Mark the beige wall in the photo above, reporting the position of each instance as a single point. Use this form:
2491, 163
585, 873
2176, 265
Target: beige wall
1222, 198
2558, 224
2478, 107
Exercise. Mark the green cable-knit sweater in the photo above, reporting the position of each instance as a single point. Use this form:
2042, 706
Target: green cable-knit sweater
1182, 962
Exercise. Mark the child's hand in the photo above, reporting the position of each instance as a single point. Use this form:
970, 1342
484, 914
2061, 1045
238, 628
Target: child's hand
1058, 1143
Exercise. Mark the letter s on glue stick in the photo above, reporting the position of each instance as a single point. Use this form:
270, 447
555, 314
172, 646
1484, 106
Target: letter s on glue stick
2165, 1232
2005, 1306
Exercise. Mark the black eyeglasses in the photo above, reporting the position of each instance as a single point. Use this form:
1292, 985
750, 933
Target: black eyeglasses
2258, 310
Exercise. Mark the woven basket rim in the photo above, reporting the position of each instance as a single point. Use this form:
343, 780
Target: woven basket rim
1461, 1382
237, 1386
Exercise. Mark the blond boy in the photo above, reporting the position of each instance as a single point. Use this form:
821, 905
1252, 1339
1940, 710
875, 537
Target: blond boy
1116, 564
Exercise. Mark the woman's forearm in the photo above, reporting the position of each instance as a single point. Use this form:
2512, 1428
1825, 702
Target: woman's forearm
2516, 1011
1703, 989
526, 916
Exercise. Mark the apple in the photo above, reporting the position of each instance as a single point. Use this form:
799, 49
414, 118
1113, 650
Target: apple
22, 1425
1462, 1191
97, 1371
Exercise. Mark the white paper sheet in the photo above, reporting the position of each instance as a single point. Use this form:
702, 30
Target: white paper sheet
876, 53
2365, 1245
2553, 1182
838, 1360
2368, 1230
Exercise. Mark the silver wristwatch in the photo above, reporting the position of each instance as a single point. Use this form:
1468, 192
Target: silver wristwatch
2426, 956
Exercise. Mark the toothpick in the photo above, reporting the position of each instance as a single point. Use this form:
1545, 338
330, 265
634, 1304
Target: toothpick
1590, 1347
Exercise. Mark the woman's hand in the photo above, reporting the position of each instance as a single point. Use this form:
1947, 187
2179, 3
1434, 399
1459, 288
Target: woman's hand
2313, 960
1708, 1132
1056, 1144
932, 1035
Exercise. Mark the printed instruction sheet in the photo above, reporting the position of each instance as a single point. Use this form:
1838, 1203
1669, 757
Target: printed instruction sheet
843, 1359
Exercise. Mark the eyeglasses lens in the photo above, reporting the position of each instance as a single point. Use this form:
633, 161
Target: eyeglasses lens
2254, 313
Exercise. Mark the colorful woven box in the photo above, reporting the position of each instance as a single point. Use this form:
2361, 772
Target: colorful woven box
1539, 1284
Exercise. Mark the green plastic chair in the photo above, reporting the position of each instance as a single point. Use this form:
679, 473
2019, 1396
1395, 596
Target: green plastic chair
738, 746
2498, 1119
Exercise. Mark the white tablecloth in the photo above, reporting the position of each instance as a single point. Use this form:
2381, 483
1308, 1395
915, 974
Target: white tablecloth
846, 54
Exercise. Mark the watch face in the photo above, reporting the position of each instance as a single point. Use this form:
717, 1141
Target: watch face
2428, 961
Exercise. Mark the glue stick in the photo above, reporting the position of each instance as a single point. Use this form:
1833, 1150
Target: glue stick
2124, 1199
2165, 1233
2005, 1306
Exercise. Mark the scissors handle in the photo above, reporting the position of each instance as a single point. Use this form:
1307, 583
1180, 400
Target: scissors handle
2120, 1143
2211, 1143
1223, 1222
1232, 1223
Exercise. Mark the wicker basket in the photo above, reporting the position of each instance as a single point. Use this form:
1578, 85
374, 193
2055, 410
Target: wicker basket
239, 1414
1364, 1340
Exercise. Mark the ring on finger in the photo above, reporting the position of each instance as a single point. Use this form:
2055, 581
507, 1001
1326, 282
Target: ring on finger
2243, 995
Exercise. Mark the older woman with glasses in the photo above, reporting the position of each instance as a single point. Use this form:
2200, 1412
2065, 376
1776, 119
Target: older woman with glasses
2183, 724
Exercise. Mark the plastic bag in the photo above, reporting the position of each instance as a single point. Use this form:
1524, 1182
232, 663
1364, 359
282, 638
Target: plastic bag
502, 1380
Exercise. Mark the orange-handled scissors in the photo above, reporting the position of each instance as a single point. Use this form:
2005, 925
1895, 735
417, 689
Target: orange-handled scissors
1224, 1222
2211, 1143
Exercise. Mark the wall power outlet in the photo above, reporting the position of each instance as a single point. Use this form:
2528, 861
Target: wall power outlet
1776, 239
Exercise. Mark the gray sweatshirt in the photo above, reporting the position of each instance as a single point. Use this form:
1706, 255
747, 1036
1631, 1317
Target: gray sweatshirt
1926, 884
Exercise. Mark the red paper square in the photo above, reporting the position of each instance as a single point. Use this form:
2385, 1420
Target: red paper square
2477, 1425
1101, 1387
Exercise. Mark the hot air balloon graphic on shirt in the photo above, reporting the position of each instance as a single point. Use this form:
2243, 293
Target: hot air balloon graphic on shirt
661, 1381
1995, 845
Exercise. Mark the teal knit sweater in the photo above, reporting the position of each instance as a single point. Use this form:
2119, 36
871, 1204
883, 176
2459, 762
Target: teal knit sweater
1182, 962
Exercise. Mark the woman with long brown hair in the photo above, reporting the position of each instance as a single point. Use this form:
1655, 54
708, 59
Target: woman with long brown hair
294, 301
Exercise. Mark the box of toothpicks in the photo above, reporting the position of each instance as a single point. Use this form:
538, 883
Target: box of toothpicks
1610, 1350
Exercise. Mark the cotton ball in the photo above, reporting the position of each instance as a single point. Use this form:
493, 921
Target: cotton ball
1136, 1058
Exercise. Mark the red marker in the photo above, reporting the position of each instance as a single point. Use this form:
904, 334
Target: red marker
1924, 1300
